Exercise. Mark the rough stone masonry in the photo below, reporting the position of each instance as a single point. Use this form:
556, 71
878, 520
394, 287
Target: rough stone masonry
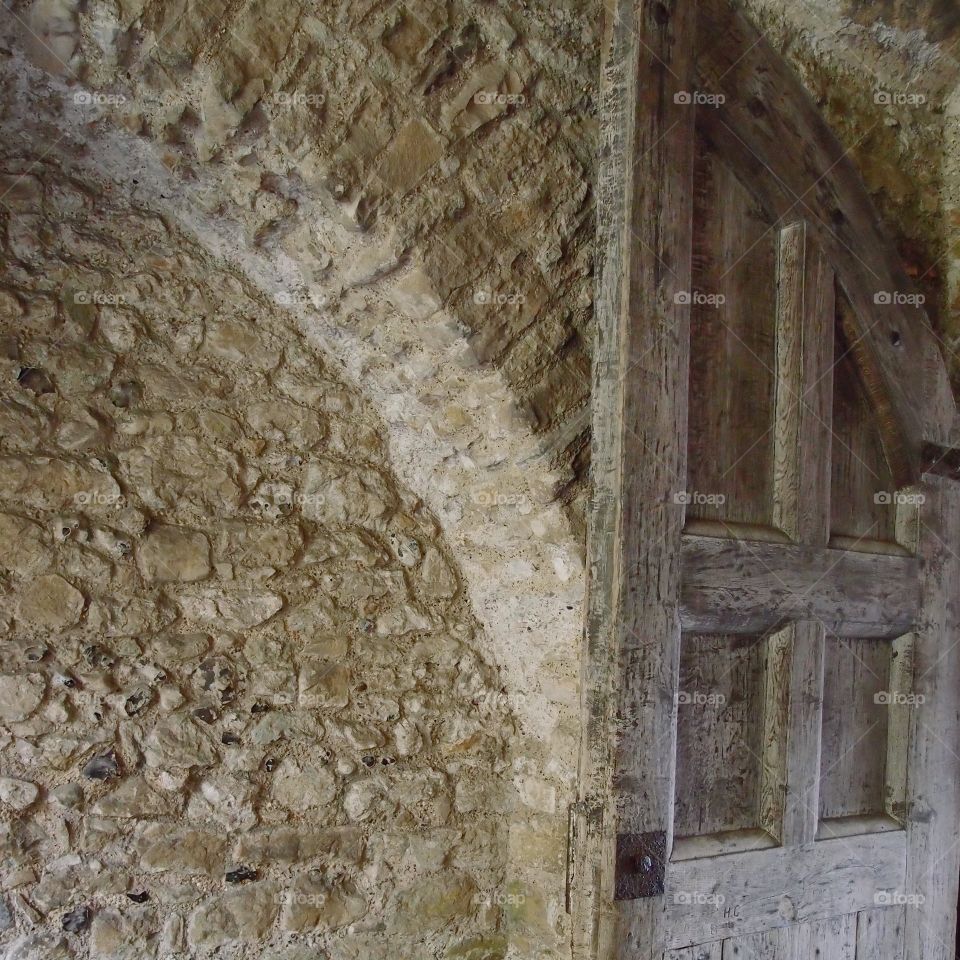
242, 695
295, 316
249, 707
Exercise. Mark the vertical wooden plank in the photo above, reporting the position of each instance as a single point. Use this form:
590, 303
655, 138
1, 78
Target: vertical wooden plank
909, 512
856, 713
898, 726
833, 939
804, 398
732, 349
933, 771
880, 933
705, 951
803, 752
862, 482
771, 945
805, 320
719, 734
639, 394
655, 425
593, 822
776, 730
801, 493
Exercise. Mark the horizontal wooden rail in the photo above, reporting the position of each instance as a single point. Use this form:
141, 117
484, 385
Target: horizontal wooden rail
744, 893
738, 586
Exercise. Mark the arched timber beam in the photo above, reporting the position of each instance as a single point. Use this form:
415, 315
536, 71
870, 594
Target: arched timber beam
768, 127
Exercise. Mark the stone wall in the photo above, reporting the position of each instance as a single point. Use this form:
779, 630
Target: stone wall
359, 235
245, 705
449, 429
464, 132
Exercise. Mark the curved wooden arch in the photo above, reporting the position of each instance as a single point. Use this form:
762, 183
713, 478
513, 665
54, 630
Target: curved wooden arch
661, 59
771, 130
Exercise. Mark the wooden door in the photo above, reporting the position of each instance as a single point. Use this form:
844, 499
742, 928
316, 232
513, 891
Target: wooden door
794, 656
771, 676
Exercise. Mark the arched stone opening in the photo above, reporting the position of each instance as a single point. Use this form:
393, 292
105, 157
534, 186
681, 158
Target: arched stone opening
411, 191
297, 598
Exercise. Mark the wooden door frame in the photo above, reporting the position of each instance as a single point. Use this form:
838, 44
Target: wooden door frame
647, 63
644, 222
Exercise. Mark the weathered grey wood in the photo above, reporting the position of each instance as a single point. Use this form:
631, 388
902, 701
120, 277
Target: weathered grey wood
705, 951
855, 724
655, 322
880, 933
593, 825
766, 889
933, 863
749, 587
730, 530
732, 351
804, 388
898, 726
857, 825
639, 396
804, 733
863, 488
866, 545
908, 520
833, 938
776, 732
804, 321
640, 431
722, 843
719, 733
772, 945
770, 130
655, 354
594, 822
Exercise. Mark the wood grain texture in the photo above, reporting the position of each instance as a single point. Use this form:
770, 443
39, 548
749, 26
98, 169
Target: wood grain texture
594, 826
804, 388
880, 933
770, 130
856, 714
654, 418
857, 825
732, 355
833, 938
750, 587
775, 749
933, 770
804, 718
772, 945
728, 530
719, 733
866, 545
862, 486
639, 390
804, 319
762, 890
720, 844
705, 951
637, 553
898, 726
656, 361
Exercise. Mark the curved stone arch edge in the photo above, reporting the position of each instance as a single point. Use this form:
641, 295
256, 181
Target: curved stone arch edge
482, 478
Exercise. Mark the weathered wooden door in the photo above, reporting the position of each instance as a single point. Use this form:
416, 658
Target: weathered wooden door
771, 676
